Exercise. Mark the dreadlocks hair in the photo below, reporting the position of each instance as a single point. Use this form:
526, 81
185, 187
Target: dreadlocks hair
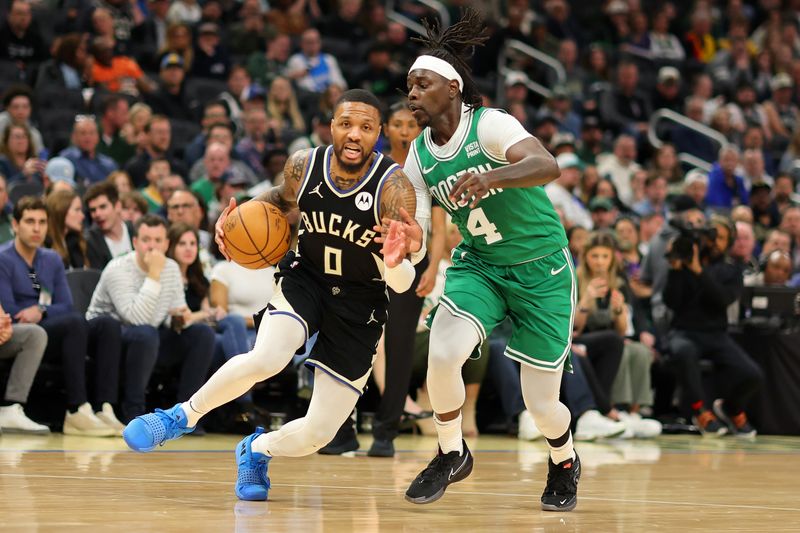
456, 45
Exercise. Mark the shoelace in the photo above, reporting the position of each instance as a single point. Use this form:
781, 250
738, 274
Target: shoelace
433, 470
170, 424
561, 481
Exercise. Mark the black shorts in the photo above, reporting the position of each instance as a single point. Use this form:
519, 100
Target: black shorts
349, 321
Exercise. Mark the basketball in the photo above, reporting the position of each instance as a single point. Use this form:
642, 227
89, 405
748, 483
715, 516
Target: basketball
256, 234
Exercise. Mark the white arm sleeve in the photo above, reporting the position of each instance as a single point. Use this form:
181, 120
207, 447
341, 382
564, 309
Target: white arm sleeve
498, 131
423, 214
400, 277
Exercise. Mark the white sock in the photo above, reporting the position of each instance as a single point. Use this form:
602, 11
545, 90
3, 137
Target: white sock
193, 415
562, 453
450, 439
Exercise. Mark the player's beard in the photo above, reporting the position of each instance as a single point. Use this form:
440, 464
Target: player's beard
351, 168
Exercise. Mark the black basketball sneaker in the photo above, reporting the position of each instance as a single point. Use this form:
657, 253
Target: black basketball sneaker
561, 492
444, 469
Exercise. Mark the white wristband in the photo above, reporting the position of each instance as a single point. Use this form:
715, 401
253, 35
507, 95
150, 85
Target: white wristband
400, 277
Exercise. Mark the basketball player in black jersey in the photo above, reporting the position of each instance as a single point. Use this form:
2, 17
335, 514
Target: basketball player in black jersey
346, 195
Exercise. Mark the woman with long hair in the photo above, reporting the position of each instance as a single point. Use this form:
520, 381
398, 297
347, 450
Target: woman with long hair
65, 228
179, 41
604, 310
667, 165
283, 110
18, 161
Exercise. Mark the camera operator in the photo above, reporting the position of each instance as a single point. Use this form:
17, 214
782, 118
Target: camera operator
701, 283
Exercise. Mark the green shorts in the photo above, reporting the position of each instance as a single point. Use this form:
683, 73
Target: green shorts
539, 296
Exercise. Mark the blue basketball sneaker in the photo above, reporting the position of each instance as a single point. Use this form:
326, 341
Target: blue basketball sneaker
252, 482
145, 432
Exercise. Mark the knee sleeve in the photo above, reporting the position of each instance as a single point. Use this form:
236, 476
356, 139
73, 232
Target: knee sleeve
540, 390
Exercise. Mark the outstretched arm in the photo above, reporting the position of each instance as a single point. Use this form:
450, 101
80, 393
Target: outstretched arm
283, 196
530, 165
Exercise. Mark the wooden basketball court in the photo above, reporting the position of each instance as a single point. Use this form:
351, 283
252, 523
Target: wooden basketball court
675, 483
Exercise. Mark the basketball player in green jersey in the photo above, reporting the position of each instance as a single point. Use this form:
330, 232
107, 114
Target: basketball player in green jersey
487, 172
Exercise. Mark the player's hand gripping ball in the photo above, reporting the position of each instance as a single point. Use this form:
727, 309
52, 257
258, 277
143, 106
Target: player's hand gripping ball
256, 234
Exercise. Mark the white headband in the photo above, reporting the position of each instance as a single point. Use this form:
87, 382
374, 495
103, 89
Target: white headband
440, 67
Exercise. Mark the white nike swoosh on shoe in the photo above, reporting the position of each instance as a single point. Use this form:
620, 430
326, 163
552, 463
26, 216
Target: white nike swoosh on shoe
562, 501
426, 170
457, 470
553, 271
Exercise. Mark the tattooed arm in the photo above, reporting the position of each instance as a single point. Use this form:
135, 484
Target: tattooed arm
283, 196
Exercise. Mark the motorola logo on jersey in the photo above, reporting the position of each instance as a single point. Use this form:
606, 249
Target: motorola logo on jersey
332, 224
364, 201
441, 191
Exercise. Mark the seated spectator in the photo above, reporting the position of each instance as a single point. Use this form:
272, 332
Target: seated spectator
90, 165
668, 90
620, 166
256, 141
603, 212
184, 12
216, 162
561, 192
170, 98
150, 36
664, 46
776, 272
753, 169
121, 180
765, 211
214, 112
783, 116
742, 251
222, 133
264, 67
117, 73
109, 236
25, 343
178, 40
18, 107
624, 108
726, 188
157, 170
18, 162
134, 206
311, 69
158, 134
285, 118
655, 197
377, 75
699, 291
65, 228
211, 58
247, 35
113, 118
320, 134
134, 131
631, 256
67, 68
784, 194
20, 39
144, 292
666, 164
34, 290
695, 186
591, 145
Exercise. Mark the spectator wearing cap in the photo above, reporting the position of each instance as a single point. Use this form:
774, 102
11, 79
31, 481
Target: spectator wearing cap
59, 175
603, 212
90, 165
561, 191
377, 75
620, 166
170, 99
726, 188
560, 106
765, 211
264, 67
783, 115
20, 39
668, 90
158, 135
320, 134
18, 107
545, 127
655, 200
591, 137
211, 58
624, 108
695, 186
311, 69
563, 143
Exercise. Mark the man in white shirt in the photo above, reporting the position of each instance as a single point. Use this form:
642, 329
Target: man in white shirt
560, 191
144, 290
620, 167
110, 236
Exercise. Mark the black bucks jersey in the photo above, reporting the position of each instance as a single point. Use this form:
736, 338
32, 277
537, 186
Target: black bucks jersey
336, 236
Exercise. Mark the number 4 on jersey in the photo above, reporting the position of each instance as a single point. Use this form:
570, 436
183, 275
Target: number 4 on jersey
478, 225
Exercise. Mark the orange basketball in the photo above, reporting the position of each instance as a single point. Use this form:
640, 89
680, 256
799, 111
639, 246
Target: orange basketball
257, 234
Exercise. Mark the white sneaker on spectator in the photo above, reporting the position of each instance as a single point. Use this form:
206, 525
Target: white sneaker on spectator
592, 425
640, 428
527, 427
85, 423
108, 417
14, 420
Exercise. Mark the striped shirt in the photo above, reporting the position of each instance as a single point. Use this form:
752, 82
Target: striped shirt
127, 294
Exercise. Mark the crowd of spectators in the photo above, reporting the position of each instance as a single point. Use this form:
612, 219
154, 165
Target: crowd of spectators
126, 125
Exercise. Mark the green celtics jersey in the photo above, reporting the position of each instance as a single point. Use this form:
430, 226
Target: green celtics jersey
509, 226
